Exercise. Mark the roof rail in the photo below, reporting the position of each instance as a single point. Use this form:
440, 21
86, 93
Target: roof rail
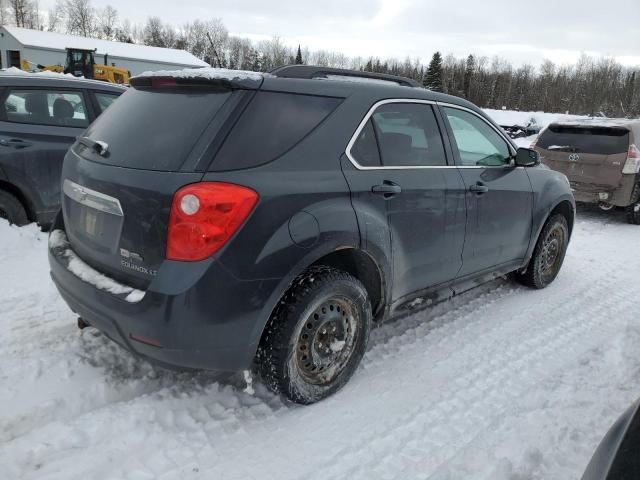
311, 71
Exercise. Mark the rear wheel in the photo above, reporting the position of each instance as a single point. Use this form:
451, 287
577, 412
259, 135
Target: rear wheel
633, 210
11, 209
317, 336
548, 254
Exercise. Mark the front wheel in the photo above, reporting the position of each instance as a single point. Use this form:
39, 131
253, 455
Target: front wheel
316, 337
633, 210
548, 254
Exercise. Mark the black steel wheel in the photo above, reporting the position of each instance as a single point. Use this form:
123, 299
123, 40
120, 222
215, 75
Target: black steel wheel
548, 254
326, 340
316, 337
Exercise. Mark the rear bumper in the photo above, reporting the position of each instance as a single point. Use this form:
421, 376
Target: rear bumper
215, 324
620, 196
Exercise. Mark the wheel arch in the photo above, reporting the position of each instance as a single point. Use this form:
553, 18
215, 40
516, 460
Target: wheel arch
566, 208
350, 258
22, 198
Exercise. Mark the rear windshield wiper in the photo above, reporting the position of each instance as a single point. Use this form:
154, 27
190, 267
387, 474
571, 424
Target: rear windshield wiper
98, 146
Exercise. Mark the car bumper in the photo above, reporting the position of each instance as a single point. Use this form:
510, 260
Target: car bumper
201, 328
620, 196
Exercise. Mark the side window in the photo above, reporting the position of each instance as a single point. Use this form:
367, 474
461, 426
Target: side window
478, 143
272, 124
105, 100
46, 107
408, 135
365, 149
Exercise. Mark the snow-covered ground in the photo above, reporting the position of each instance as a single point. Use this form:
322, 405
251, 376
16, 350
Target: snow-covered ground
502, 383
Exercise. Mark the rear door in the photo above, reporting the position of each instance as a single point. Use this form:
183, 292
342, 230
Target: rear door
37, 126
591, 157
401, 173
499, 195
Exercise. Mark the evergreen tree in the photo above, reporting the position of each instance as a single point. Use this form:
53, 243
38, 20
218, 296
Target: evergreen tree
469, 69
433, 78
299, 57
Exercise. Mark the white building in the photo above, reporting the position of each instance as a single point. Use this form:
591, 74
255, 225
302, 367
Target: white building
48, 48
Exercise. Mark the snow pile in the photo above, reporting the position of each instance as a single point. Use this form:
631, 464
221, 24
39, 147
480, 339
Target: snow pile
207, 74
542, 119
44, 73
58, 240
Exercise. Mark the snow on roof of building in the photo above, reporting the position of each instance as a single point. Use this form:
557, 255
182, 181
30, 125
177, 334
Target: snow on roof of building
59, 41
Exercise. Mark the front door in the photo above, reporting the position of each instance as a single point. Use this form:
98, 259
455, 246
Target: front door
401, 167
499, 195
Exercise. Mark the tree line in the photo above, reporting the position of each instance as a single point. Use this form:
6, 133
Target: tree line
593, 86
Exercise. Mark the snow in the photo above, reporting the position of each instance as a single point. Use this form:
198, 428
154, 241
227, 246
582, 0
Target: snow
502, 383
115, 50
542, 119
44, 73
207, 74
58, 239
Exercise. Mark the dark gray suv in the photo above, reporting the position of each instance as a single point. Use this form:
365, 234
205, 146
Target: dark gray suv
231, 220
40, 117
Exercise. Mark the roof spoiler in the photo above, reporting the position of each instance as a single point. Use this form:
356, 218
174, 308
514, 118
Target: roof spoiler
310, 71
231, 79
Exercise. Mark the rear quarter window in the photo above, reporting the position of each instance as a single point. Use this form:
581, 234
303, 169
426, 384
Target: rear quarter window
577, 139
272, 124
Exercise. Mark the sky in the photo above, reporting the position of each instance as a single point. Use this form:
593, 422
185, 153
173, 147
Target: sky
558, 30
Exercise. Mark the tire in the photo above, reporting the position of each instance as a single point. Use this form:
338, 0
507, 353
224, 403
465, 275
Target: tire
633, 210
548, 254
316, 337
12, 209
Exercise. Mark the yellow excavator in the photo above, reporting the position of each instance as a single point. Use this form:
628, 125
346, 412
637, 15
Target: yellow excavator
81, 63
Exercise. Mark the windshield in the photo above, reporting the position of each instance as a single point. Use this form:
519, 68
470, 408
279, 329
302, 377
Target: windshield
576, 139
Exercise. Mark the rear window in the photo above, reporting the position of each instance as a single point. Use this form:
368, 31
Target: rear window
154, 129
596, 140
271, 125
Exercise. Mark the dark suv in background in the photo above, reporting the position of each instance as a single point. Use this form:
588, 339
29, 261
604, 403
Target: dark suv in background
40, 117
218, 220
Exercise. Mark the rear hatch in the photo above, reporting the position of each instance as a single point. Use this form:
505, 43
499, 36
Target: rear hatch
592, 157
120, 177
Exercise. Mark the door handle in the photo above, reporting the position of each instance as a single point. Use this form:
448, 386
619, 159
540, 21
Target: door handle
387, 189
14, 142
478, 188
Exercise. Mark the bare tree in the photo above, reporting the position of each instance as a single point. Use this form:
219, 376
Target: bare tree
107, 22
81, 17
4, 13
23, 13
55, 16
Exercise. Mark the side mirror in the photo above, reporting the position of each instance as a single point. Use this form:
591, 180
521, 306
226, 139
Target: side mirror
525, 157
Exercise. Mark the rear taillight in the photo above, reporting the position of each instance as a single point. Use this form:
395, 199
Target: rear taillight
632, 165
204, 216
